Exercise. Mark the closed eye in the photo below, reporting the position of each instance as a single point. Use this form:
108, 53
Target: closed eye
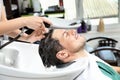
65, 34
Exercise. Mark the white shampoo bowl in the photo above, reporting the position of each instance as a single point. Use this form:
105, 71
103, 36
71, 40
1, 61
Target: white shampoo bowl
8, 57
29, 65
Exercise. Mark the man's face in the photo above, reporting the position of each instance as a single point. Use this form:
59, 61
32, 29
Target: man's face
69, 39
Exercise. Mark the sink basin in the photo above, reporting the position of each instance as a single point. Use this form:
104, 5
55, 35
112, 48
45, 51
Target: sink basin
8, 57
23, 56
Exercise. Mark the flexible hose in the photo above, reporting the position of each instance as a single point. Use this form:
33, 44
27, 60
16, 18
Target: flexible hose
18, 36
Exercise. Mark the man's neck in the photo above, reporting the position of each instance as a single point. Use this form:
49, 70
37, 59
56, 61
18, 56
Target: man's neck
77, 55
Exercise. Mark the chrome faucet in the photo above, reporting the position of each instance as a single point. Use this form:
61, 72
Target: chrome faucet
1, 40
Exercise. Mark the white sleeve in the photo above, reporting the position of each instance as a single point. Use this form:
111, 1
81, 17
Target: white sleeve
2, 10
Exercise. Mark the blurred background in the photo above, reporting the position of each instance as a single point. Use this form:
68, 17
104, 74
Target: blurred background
67, 9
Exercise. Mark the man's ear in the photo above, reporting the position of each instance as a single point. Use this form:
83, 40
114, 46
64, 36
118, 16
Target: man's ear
63, 54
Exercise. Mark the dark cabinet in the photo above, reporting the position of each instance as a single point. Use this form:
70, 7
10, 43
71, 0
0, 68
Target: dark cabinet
12, 8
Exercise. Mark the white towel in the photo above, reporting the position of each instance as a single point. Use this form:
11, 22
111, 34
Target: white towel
92, 72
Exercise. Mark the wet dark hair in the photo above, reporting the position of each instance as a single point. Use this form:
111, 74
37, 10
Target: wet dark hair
48, 49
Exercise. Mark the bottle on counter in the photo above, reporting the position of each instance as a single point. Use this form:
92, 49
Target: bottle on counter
101, 25
88, 24
82, 28
61, 4
25, 5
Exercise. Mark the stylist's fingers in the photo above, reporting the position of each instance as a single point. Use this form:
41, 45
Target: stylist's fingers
34, 22
43, 28
40, 32
46, 20
35, 36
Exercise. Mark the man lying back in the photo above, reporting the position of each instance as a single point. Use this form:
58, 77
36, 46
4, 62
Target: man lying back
61, 47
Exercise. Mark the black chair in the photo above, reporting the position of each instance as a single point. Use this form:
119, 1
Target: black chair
106, 50
105, 41
108, 54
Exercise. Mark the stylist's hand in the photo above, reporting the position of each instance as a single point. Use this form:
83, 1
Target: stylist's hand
35, 36
35, 22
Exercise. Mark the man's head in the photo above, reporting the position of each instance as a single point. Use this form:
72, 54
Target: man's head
59, 46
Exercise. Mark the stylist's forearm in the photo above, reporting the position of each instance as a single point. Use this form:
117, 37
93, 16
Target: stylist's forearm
11, 25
